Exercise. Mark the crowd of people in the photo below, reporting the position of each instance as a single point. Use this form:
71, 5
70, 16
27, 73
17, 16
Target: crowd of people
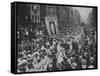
71, 49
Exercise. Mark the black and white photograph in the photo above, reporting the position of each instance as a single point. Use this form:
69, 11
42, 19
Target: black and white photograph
54, 37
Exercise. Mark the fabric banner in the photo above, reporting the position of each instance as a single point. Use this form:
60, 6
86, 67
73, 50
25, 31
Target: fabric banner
52, 25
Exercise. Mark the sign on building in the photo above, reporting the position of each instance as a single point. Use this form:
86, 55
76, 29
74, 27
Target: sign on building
35, 13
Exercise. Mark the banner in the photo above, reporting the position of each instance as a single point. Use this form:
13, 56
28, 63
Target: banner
51, 25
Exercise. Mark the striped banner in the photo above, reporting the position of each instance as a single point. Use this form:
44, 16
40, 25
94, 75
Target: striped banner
51, 25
